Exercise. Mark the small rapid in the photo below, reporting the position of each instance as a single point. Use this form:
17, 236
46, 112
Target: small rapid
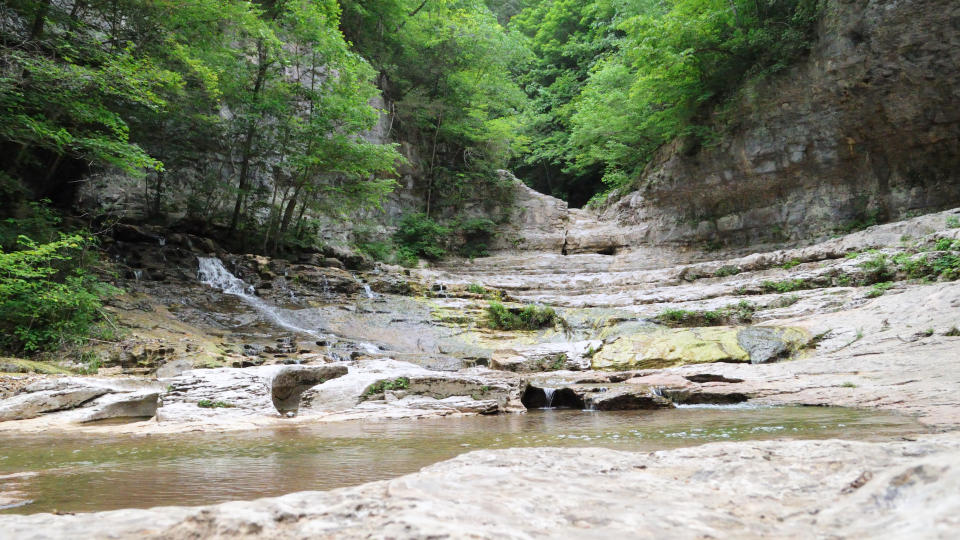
211, 272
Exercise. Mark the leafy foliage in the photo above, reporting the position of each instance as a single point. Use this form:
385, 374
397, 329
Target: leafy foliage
47, 299
613, 80
400, 383
422, 236
211, 97
529, 317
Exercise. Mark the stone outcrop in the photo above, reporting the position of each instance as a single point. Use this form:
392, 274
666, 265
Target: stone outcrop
574, 356
97, 398
683, 346
202, 394
292, 381
867, 128
386, 383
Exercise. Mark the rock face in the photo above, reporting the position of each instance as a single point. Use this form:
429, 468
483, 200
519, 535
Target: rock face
96, 399
536, 222
867, 128
573, 356
683, 346
782, 489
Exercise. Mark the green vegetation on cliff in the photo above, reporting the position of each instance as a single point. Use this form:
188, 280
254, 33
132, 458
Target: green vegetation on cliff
613, 80
249, 112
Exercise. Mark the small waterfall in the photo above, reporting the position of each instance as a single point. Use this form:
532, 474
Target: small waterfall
325, 287
548, 395
162, 241
366, 288
137, 274
212, 272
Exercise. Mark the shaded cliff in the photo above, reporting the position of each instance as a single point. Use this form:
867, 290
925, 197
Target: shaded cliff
867, 129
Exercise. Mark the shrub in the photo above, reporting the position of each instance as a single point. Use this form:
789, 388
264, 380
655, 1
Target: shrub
879, 288
727, 270
400, 383
740, 312
786, 301
529, 317
47, 299
420, 236
953, 222
876, 270
785, 286
208, 404
477, 234
476, 288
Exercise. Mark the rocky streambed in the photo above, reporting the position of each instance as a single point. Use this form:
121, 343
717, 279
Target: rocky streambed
281, 362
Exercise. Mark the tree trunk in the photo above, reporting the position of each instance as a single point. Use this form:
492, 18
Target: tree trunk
36, 29
248, 139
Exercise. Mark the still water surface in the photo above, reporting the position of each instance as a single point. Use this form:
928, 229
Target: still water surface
90, 473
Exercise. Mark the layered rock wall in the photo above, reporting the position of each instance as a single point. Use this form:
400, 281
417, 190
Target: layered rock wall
866, 129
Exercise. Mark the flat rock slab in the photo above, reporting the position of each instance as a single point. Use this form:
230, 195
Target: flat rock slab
757, 489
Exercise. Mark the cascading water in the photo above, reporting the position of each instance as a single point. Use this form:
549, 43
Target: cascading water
548, 395
366, 288
212, 272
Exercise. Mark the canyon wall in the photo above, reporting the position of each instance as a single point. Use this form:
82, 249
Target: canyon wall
866, 129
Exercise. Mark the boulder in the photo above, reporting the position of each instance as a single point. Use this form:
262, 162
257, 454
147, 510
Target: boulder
766, 344
139, 404
100, 398
683, 346
292, 381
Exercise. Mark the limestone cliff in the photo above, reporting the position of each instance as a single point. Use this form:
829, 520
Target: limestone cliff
866, 129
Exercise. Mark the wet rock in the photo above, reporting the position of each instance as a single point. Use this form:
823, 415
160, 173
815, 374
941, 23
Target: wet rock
627, 399
574, 356
698, 396
289, 383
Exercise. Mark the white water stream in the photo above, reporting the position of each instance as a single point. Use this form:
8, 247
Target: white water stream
212, 272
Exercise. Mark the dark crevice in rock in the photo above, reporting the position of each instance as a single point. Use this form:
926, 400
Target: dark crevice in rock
710, 377
560, 398
688, 397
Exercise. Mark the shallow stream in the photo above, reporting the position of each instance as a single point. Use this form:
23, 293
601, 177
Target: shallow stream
101, 472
